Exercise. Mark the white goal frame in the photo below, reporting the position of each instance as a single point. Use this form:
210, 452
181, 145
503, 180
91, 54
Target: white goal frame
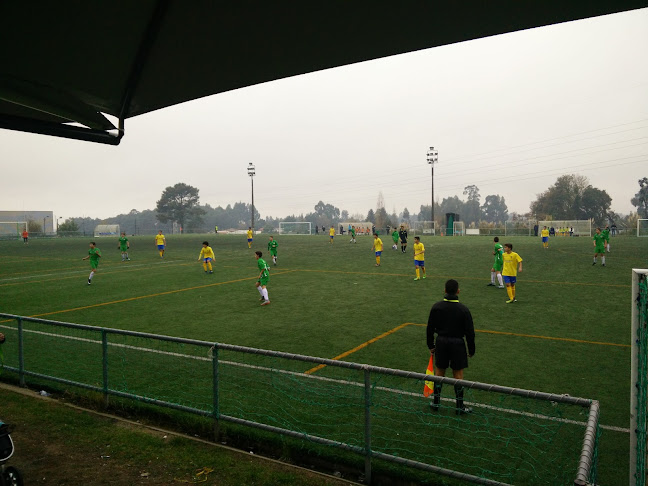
106, 230
284, 225
518, 228
458, 228
582, 227
645, 227
20, 227
423, 228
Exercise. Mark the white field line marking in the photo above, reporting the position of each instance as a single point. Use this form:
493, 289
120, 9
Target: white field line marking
74, 272
322, 378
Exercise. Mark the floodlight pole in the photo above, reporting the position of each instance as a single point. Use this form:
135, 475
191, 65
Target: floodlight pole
251, 173
432, 158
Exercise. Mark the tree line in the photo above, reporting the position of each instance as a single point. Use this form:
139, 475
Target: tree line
179, 208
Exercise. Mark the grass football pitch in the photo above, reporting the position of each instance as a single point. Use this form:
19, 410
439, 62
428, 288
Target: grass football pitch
569, 332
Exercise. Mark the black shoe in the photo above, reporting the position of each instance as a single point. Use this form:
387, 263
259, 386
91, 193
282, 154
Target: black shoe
434, 406
490, 285
603, 265
594, 263
463, 411
89, 281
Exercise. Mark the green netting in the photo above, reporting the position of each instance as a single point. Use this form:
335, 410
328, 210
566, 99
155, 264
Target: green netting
512, 439
642, 381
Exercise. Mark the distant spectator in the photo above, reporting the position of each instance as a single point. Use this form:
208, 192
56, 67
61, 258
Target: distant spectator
552, 231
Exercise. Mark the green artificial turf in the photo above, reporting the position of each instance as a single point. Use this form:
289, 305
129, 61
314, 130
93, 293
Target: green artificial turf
569, 332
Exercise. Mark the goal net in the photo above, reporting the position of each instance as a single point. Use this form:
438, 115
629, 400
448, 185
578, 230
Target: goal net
568, 227
639, 378
423, 228
294, 228
106, 230
458, 228
12, 229
642, 227
518, 228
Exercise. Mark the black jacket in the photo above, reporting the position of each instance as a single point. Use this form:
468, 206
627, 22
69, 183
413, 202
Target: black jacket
451, 319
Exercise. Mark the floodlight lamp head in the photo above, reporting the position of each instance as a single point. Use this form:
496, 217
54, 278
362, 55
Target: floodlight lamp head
432, 156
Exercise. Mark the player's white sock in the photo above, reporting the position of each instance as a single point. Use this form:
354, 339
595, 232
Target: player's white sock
91, 275
264, 293
500, 279
603, 260
260, 289
492, 277
274, 259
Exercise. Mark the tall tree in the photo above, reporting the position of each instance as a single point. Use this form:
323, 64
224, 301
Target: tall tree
494, 209
371, 217
179, 204
595, 204
406, 215
381, 212
562, 200
327, 213
472, 211
640, 200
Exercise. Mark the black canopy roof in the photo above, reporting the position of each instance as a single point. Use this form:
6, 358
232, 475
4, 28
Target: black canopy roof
64, 63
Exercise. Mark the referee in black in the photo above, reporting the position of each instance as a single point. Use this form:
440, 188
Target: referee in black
450, 321
402, 234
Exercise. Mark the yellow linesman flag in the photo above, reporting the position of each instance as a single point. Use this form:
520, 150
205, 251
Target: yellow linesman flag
428, 388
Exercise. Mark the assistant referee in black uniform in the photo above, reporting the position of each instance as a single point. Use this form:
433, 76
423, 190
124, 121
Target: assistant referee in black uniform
451, 321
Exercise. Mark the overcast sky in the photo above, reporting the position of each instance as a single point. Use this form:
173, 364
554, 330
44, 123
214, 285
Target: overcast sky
508, 113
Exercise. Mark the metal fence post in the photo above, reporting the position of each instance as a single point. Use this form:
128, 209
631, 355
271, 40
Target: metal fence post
367, 432
21, 353
104, 364
215, 405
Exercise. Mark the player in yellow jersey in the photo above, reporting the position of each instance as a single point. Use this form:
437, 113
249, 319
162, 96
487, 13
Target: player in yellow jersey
511, 262
160, 241
206, 255
545, 237
419, 257
250, 233
378, 247
331, 234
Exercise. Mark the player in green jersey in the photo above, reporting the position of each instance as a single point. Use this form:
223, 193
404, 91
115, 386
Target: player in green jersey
599, 246
264, 277
352, 231
498, 264
606, 237
395, 239
124, 245
94, 254
272, 248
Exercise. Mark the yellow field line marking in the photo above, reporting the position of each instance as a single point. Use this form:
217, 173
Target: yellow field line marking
357, 348
126, 270
147, 296
431, 276
486, 331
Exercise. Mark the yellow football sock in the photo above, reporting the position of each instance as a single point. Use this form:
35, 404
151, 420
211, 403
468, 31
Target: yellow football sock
209, 266
509, 292
417, 273
205, 266
378, 260
513, 291
160, 252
